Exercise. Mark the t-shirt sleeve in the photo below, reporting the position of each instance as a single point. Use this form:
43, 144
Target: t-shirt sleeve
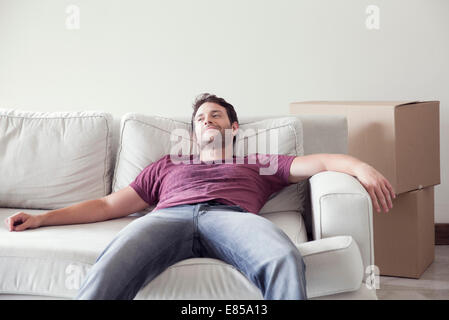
146, 184
277, 165
284, 164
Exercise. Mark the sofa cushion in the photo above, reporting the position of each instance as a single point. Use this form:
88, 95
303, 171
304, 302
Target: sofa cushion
145, 139
51, 160
287, 135
333, 265
54, 260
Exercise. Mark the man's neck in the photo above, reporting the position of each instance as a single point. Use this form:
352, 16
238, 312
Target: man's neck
209, 155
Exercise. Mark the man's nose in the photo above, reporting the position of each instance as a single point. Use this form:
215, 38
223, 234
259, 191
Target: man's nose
207, 120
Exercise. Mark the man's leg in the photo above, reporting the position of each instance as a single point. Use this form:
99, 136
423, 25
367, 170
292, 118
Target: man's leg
140, 252
257, 248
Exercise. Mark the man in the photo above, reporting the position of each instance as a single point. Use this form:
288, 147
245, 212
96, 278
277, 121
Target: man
204, 209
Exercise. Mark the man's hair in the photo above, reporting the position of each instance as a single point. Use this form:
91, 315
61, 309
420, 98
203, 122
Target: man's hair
207, 97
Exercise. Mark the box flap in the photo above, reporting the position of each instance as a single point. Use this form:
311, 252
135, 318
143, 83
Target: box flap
406, 103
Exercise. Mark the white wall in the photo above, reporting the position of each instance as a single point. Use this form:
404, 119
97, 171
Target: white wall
156, 56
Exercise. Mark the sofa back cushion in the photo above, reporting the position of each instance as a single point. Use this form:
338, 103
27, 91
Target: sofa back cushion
145, 139
50, 160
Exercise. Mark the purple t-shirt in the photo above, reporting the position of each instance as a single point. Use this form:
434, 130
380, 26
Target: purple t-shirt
247, 182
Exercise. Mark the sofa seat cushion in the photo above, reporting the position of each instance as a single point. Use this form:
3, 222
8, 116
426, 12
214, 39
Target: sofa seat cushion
53, 261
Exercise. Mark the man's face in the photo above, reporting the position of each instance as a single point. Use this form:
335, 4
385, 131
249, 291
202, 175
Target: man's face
211, 120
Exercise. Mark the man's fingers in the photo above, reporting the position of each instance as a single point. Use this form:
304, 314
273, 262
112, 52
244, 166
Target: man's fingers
22, 226
12, 220
8, 224
377, 198
381, 197
374, 199
387, 196
15, 220
390, 189
389, 192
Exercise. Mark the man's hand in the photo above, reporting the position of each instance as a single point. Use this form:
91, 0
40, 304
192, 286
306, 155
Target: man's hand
378, 187
21, 221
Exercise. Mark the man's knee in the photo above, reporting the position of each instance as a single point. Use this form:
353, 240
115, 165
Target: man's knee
289, 256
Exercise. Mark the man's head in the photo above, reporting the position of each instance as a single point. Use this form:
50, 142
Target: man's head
212, 115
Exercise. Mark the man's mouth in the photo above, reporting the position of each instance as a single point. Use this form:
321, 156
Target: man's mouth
211, 127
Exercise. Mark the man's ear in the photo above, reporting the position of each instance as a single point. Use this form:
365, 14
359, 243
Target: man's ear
235, 128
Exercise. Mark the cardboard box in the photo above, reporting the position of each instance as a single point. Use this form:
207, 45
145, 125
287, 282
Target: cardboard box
404, 237
400, 139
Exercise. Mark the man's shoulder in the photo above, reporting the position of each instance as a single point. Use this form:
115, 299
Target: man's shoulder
174, 159
158, 163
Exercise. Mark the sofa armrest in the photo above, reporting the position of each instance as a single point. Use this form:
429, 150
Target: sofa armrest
333, 265
340, 205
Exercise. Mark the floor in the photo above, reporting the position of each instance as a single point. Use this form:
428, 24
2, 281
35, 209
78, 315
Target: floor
433, 284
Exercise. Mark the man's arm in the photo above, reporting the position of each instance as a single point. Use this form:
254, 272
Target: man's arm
378, 187
115, 205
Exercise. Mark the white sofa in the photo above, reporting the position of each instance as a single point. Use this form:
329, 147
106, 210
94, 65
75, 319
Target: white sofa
52, 160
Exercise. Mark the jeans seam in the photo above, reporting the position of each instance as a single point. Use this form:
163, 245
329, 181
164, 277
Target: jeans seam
248, 265
196, 212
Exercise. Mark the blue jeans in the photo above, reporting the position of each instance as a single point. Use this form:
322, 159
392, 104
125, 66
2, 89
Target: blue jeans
150, 244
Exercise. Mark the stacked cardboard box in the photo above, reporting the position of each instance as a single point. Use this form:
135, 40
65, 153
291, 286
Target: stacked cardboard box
401, 140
